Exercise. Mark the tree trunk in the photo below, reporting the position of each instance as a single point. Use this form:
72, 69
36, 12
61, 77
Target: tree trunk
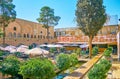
3, 35
90, 46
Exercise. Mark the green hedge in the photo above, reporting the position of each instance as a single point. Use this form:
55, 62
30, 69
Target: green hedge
99, 70
10, 66
64, 61
108, 51
95, 50
37, 68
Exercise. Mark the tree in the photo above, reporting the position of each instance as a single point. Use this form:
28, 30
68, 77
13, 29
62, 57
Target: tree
106, 64
90, 17
47, 18
7, 14
10, 66
99, 70
73, 59
36, 68
1, 33
95, 50
63, 61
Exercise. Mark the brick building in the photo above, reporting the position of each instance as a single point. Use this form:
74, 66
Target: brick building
27, 32
107, 36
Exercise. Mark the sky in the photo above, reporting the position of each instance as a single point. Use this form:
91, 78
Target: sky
30, 9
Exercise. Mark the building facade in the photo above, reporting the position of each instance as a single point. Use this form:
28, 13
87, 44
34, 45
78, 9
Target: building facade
107, 36
26, 32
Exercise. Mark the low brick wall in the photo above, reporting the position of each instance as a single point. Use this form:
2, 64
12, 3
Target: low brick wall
26, 41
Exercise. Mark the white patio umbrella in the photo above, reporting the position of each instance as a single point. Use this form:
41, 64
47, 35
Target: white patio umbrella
59, 46
12, 50
22, 49
1, 48
8, 48
23, 46
52, 45
42, 45
45, 52
36, 51
84, 46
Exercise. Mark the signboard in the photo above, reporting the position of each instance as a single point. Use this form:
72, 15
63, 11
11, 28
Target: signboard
99, 38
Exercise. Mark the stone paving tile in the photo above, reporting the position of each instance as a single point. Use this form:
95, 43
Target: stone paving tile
114, 72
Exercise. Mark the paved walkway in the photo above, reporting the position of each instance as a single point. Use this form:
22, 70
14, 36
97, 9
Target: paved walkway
81, 72
114, 72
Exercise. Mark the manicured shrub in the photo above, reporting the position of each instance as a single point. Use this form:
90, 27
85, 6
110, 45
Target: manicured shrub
99, 70
36, 68
77, 51
73, 59
95, 50
53, 49
110, 49
63, 61
106, 64
10, 66
62, 49
18, 54
74, 51
1, 53
107, 53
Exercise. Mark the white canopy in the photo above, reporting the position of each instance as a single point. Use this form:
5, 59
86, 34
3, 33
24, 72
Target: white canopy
84, 46
51, 45
36, 51
1, 48
23, 46
42, 45
10, 48
22, 49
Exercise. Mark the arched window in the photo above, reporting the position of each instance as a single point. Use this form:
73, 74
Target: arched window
24, 35
41, 32
14, 34
18, 35
34, 36
31, 36
10, 34
38, 36
14, 29
27, 35
43, 37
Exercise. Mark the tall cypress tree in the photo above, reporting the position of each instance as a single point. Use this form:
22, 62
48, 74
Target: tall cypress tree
90, 17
